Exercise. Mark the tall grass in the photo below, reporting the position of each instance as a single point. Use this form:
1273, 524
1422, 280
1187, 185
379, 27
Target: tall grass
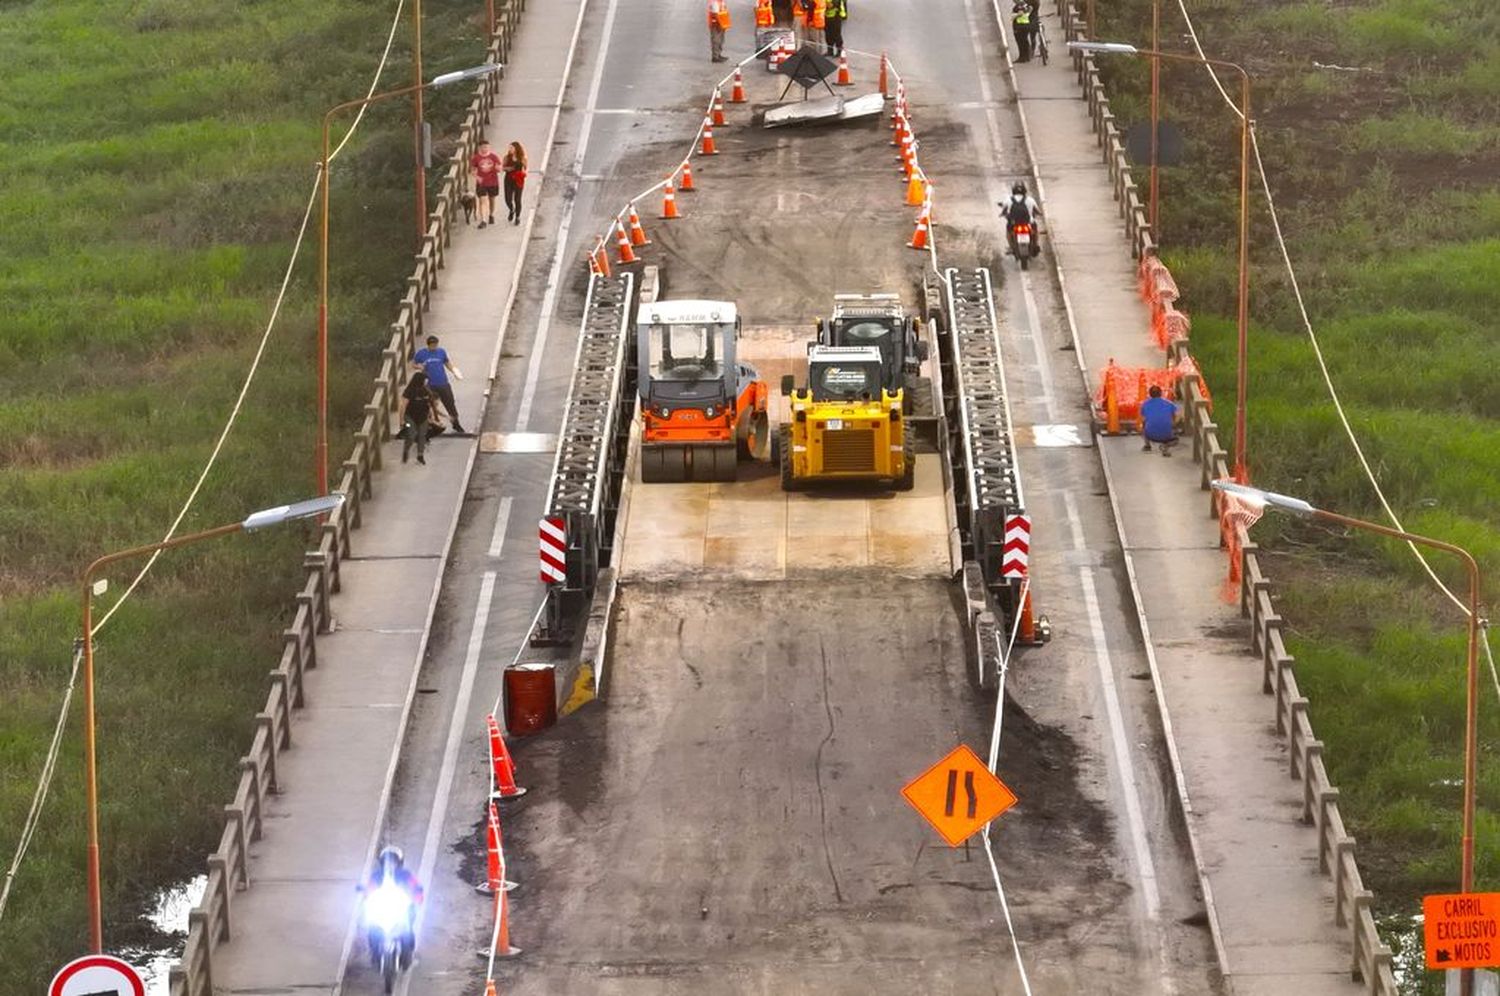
157, 157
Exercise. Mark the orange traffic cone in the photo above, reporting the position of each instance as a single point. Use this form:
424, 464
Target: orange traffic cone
687, 178
708, 148
916, 190
900, 107
844, 78
885, 91
503, 948
897, 127
600, 258
489, 987
494, 845
908, 156
504, 767
737, 93
1027, 632
919, 237
637, 233
669, 202
622, 245
718, 108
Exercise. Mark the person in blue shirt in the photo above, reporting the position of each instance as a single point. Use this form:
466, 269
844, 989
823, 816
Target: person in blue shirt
435, 363
1158, 421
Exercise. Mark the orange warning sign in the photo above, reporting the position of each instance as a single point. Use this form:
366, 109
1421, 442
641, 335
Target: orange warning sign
958, 795
1463, 930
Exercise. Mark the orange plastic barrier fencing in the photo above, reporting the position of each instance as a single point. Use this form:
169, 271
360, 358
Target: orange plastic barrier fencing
1159, 290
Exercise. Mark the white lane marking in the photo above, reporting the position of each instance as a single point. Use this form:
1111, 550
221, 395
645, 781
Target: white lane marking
1145, 866
1039, 345
559, 250
502, 520
456, 726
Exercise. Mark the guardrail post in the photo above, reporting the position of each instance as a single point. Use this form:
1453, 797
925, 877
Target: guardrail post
236, 816
267, 722
253, 799
1341, 849
217, 863
198, 920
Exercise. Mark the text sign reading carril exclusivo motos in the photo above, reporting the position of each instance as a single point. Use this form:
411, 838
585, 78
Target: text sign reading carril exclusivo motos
1463, 930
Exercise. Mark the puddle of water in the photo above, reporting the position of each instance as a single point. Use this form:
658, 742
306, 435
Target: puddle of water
169, 915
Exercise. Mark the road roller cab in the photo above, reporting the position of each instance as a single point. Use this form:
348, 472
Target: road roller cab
844, 426
878, 321
702, 411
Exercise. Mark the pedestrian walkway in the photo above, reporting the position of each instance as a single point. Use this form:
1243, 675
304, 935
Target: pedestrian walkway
292, 928
1273, 907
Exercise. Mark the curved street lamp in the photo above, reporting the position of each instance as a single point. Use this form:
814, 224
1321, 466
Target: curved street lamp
263, 519
1270, 499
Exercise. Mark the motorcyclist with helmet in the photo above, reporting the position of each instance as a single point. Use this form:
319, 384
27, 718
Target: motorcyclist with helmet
390, 867
1021, 209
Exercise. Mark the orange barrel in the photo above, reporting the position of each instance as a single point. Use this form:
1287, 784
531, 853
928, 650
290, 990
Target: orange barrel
530, 698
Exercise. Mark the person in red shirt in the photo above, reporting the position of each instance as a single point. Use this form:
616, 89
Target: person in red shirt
484, 167
514, 166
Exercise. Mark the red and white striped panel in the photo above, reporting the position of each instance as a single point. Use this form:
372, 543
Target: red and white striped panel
1015, 555
554, 550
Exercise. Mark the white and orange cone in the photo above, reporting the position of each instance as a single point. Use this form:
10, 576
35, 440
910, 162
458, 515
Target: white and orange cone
708, 148
737, 92
637, 233
687, 178
669, 202
718, 108
622, 245
844, 78
919, 237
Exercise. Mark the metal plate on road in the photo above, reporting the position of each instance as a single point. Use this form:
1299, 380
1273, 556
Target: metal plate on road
1054, 435
958, 795
517, 442
1462, 930
97, 975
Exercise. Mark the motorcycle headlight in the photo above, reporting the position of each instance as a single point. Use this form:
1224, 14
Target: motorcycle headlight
388, 908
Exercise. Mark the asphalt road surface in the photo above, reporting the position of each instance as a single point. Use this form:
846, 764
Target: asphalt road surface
727, 819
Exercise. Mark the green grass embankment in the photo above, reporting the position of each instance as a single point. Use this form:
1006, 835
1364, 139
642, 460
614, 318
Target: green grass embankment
157, 156
1387, 176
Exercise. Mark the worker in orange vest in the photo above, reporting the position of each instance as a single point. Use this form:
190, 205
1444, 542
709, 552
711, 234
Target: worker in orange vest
817, 20
799, 20
718, 23
765, 17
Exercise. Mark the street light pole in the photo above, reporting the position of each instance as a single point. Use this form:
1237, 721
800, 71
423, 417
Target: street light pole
259, 520
1155, 118
320, 446
418, 145
1241, 473
1256, 496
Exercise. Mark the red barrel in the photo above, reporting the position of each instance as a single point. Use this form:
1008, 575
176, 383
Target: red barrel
530, 698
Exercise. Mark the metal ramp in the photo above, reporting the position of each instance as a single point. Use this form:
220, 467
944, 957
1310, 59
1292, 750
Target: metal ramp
583, 498
993, 527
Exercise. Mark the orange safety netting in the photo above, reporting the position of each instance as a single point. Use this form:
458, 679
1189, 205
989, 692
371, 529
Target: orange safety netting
1235, 515
1159, 290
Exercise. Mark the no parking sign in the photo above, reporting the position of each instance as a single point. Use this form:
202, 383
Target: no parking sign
97, 975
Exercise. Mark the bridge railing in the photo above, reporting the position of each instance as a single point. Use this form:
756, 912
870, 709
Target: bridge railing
1371, 962
211, 922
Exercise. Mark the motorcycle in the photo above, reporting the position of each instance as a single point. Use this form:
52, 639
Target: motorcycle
1023, 243
388, 913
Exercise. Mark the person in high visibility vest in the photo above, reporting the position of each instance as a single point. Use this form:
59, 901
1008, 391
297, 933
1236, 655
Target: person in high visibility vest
1023, 17
718, 23
833, 35
765, 17
799, 20
817, 20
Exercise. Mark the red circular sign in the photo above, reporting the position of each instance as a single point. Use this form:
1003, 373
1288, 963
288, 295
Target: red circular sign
97, 975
